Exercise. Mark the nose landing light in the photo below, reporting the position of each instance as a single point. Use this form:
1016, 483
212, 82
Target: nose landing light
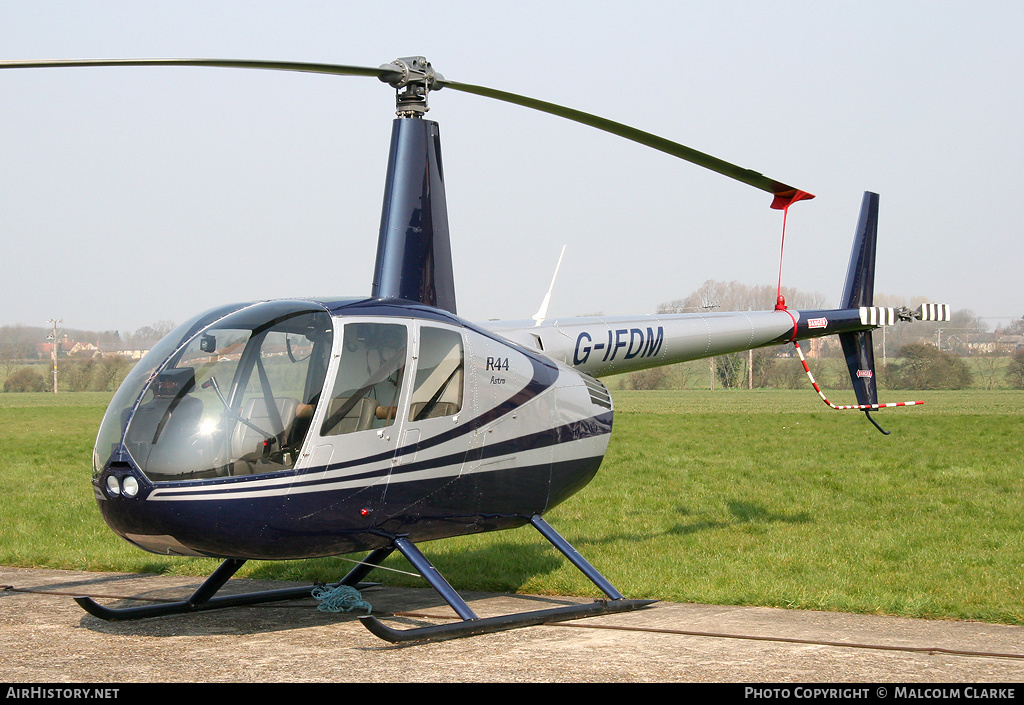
121, 485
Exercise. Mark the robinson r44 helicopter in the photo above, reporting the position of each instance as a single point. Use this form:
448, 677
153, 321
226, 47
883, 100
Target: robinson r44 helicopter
301, 428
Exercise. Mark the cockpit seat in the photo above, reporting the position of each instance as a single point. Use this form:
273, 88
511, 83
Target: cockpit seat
358, 418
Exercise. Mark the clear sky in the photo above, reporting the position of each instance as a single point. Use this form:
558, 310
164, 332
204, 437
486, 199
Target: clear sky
135, 195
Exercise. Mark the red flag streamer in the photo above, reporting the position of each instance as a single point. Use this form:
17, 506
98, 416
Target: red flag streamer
862, 407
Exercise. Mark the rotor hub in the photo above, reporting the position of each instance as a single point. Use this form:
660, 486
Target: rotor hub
413, 78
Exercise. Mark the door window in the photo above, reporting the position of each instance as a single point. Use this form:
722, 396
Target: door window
438, 386
369, 378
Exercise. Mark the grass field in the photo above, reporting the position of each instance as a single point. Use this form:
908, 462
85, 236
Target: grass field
763, 497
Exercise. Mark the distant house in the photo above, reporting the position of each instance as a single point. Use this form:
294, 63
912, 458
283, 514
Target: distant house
69, 348
1011, 343
80, 349
982, 343
995, 343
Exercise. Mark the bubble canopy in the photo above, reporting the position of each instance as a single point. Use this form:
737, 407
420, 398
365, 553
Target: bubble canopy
230, 392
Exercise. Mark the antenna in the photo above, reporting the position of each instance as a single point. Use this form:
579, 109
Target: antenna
542, 312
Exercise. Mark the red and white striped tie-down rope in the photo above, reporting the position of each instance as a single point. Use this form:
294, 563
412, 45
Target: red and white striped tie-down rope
861, 407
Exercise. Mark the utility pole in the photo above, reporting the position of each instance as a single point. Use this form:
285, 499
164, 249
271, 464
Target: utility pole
53, 351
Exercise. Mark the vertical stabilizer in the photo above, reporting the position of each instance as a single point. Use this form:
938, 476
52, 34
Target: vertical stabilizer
860, 278
859, 291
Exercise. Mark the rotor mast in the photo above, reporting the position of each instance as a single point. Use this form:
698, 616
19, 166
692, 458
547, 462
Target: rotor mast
414, 259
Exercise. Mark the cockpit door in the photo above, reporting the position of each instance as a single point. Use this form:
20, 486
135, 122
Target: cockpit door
438, 390
360, 425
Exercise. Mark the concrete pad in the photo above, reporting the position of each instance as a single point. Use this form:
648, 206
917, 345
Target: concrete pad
45, 637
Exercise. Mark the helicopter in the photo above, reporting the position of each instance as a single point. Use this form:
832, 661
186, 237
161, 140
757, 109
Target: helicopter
289, 429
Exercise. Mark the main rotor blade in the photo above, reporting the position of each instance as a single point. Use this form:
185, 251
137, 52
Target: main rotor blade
784, 194
333, 69
388, 73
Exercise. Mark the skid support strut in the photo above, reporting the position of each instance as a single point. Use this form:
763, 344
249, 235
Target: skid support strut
472, 625
204, 596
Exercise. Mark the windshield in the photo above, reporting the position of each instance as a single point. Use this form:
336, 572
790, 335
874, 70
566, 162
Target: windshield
233, 398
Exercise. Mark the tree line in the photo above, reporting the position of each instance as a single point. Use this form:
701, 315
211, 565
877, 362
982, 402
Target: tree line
23, 361
21, 342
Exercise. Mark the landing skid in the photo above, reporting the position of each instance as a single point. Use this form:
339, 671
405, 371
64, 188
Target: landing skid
472, 625
204, 598
489, 625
